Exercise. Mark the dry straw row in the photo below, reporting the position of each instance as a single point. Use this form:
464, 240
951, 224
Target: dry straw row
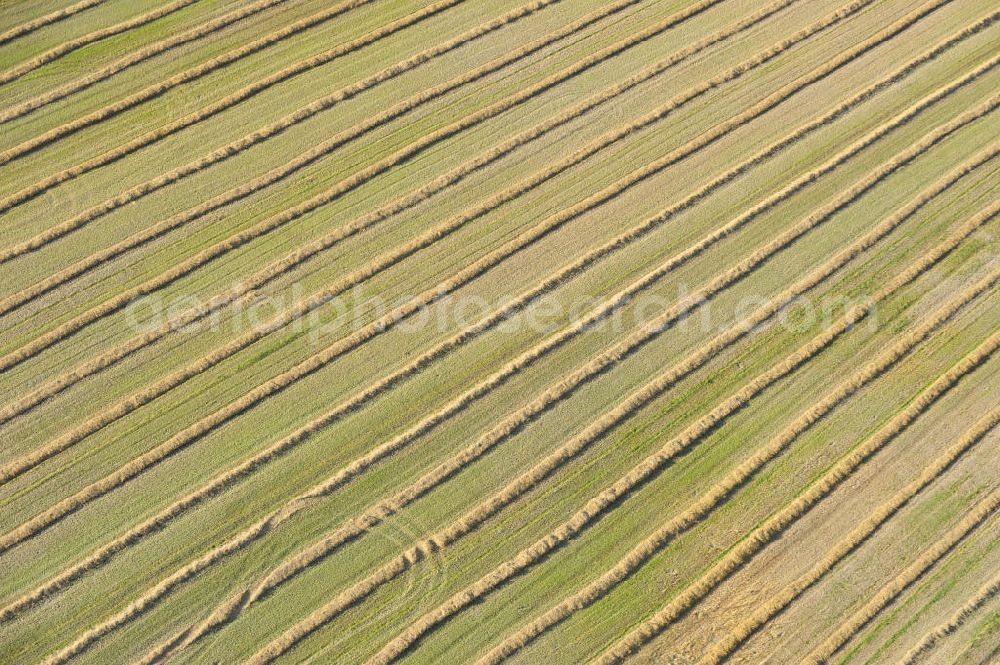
109, 358
48, 19
71, 45
519, 419
65, 381
605, 501
229, 477
341, 188
722, 491
135, 57
220, 482
185, 437
299, 115
191, 74
862, 533
968, 610
174, 222
929, 558
772, 529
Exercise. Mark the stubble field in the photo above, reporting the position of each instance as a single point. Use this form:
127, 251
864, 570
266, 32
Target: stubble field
562, 331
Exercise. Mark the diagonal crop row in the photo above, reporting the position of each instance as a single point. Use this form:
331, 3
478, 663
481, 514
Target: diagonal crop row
57, 52
294, 118
226, 479
368, 125
48, 19
140, 55
183, 438
605, 501
191, 74
51, 282
189, 636
440, 474
61, 384
893, 589
273, 176
864, 531
986, 593
195, 431
778, 523
182, 576
518, 420
290, 120
375, 514
65, 381
731, 483
339, 189
304, 253
163, 227
135, 467
276, 269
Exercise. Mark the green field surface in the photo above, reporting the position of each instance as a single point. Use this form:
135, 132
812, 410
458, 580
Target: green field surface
560, 331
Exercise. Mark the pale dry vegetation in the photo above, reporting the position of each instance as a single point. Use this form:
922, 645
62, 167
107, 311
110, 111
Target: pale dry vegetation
729, 392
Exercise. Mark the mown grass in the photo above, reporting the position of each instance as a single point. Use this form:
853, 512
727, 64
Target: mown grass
110, 447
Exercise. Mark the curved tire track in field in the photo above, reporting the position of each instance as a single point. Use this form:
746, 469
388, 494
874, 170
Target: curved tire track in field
778, 523
914, 572
154, 91
296, 117
48, 19
226, 479
492, 438
864, 531
346, 185
516, 421
57, 52
604, 502
209, 27
720, 493
137, 466
987, 593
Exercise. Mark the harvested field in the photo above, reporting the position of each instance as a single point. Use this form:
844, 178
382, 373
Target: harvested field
548, 331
